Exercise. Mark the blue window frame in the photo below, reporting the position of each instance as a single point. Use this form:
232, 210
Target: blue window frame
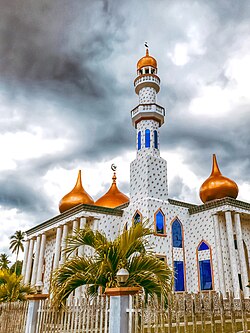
179, 284
203, 246
160, 223
137, 218
177, 234
205, 275
155, 139
147, 138
139, 140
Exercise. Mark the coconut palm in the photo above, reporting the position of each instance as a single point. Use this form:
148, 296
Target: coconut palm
4, 261
16, 243
11, 287
129, 250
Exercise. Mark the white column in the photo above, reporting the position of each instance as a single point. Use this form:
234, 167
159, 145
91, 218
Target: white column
74, 230
25, 256
57, 247
75, 226
41, 257
35, 265
220, 265
82, 225
29, 262
233, 262
64, 241
242, 257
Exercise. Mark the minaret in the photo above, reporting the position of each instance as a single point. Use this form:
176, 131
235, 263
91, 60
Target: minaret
148, 171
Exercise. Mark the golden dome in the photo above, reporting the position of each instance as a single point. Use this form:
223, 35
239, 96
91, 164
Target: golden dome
147, 60
76, 197
217, 186
113, 198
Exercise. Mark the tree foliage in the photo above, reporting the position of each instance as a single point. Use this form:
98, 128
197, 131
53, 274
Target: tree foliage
12, 288
4, 261
16, 243
129, 250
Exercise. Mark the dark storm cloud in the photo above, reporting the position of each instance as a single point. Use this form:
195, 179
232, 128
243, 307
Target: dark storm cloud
24, 193
68, 67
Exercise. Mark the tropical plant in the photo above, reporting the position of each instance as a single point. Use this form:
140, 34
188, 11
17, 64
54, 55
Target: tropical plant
12, 288
129, 250
4, 261
17, 267
16, 243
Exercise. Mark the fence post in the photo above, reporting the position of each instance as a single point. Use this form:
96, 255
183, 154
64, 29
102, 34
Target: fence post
119, 304
31, 319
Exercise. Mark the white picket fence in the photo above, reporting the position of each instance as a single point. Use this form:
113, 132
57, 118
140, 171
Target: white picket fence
185, 313
190, 313
86, 315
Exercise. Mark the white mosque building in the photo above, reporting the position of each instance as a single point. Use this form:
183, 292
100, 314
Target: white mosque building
207, 245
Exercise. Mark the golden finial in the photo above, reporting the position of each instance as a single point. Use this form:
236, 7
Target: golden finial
113, 168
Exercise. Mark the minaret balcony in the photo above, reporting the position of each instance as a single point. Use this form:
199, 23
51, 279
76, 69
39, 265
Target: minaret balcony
147, 80
148, 111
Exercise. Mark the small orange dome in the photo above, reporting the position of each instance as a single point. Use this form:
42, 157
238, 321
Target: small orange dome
217, 186
113, 198
76, 197
147, 60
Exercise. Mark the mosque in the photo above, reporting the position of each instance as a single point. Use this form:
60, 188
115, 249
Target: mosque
207, 245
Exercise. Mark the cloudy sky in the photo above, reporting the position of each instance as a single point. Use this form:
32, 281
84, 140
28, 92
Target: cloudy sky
66, 91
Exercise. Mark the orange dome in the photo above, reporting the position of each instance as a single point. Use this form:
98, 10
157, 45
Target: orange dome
147, 60
217, 186
113, 198
76, 197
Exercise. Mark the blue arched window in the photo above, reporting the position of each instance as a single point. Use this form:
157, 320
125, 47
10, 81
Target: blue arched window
155, 139
203, 246
177, 234
205, 270
179, 284
137, 217
160, 223
147, 138
139, 140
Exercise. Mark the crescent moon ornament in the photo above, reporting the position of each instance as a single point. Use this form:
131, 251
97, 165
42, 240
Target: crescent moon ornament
113, 167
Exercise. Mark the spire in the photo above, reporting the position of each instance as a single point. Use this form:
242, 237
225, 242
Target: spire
215, 167
217, 186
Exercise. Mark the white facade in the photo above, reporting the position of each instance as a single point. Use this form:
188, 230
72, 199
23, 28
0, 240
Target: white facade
221, 227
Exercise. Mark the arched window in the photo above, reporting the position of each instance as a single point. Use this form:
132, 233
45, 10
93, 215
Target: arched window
137, 218
179, 284
155, 139
139, 140
203, 246
177, 234
205, 269
160, 223
147, 138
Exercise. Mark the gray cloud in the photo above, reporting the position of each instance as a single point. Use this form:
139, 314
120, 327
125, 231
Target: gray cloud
68, 67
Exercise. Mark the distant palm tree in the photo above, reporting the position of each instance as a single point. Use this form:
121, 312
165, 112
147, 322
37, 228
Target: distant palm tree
4, 261
12, 288
129, 250
16, 243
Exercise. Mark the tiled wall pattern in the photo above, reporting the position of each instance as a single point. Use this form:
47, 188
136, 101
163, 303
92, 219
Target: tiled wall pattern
147, 95
148, 178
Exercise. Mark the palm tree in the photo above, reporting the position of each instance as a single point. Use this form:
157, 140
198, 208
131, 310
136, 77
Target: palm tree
16, 243
4, 261
11, 287
129, 250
